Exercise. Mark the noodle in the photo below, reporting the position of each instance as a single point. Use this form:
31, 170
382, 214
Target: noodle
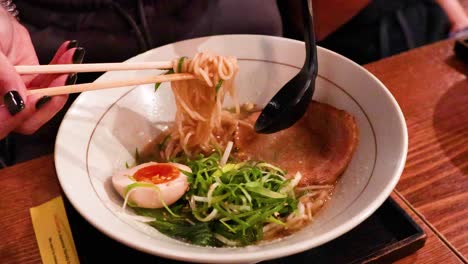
309, 205
201, 125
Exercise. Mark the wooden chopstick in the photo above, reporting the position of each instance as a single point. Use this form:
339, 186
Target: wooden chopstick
77, 88
92, 67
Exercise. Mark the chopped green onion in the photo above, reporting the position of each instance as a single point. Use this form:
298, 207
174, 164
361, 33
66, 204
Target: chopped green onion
256, 188
156, 85
128, 191
180, 63
137, 157
138, 184
218, 85
134, 185
271, 219
233, 201
163, 143
226, 241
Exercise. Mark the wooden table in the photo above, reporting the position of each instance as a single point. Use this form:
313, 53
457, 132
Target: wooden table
432, 91
431, 87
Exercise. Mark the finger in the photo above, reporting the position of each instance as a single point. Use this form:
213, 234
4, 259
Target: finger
60, 51
44, 80
23, 52
46, 108
73, 55
66, 46
13, 101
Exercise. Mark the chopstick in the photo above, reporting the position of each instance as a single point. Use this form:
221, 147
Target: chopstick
92, 67
77, 88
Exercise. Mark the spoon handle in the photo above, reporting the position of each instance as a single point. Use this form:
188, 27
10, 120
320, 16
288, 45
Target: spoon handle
309, 38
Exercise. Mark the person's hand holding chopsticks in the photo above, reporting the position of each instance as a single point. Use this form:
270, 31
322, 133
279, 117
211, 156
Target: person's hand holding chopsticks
18, 111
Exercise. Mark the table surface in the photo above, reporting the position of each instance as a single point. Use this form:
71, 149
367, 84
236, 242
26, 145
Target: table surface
432, 90
431, 87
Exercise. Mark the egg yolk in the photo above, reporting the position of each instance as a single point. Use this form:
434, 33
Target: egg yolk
157, 174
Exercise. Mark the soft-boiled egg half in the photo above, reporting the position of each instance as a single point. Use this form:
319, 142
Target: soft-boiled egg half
152, 184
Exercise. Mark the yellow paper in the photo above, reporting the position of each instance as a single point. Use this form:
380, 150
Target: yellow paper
53, 233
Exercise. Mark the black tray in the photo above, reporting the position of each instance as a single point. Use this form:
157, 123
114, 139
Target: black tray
389, 234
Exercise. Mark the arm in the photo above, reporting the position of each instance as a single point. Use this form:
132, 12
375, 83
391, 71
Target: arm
329, 15
456, 14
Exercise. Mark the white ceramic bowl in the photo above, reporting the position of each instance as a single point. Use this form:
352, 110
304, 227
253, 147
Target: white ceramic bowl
102, 129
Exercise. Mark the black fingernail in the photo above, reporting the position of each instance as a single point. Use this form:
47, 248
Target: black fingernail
13, 102
42, 101
78, 56
72, 44
71, 79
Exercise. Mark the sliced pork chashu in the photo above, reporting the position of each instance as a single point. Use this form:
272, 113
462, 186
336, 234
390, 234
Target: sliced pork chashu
320, 145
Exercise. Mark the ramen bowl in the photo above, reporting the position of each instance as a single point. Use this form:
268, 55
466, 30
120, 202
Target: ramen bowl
102, 130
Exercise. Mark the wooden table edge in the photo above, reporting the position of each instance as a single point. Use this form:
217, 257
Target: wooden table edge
436, 232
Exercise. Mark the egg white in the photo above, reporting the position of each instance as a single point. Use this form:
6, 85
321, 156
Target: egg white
150, 197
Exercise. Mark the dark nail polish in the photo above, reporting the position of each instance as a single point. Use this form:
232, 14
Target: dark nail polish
71, 79
42, 101
78, 56
13, 102
72, 44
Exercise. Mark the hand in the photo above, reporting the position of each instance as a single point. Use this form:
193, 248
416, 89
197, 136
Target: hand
460, 27
19, 112
456, 15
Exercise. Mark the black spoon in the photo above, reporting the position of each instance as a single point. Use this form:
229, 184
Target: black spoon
291, 101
